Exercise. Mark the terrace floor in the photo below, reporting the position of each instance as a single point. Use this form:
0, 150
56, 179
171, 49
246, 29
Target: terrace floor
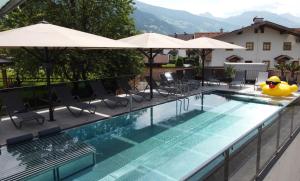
65, 120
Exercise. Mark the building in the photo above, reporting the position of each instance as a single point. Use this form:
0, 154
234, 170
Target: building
265, 42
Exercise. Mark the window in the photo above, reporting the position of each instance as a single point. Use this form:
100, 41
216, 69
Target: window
267, 62
248, 61
249, 46
230, 49
267, 46
287, 46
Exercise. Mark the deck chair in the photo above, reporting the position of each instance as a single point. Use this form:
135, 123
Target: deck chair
262, 77
136, 95
169, 79
110, 100
18, 110
210, 78
239, 79
163, 90
189, 77
64, 97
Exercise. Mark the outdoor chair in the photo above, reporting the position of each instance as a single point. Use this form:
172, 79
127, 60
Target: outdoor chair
210, 78
239, 79
179, 75
159, 88
137, 95
189, 77
64, 97
262, 77
110, 100
170, 80
17, 110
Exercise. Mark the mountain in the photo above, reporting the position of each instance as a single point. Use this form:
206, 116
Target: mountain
182, 20
246, 19
291, 17
150, 23
209, 15
151, 18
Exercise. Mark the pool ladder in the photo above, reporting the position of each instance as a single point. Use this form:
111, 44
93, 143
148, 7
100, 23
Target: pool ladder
185, 102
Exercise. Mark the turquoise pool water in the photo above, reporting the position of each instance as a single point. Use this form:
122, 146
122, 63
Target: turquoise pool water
165, 142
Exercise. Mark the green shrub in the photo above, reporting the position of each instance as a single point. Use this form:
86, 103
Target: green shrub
168, 66
179, 62
229, 72
172, 61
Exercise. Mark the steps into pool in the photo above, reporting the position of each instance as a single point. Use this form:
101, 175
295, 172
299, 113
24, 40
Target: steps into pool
51, 158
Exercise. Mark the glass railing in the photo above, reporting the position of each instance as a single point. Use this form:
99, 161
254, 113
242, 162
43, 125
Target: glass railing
254, 154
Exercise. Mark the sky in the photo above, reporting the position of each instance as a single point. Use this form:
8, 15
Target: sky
225, 8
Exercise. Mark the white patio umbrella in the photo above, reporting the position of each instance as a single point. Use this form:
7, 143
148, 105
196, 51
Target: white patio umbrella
206, 45
151, 44
45, 36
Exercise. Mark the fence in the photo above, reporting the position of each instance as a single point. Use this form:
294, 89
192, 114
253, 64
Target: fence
37, 96
253, 156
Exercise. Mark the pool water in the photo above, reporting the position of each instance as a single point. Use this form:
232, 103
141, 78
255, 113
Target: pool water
171, 140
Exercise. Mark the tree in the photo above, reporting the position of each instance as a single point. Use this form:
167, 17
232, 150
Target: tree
292, 67
101, 17
282, 68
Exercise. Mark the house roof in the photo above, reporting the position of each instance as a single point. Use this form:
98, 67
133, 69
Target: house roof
283, 57
261, 25
297, 30
208, 34
234, 57
184, 36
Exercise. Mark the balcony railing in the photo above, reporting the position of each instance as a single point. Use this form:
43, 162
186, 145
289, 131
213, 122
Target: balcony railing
252, 157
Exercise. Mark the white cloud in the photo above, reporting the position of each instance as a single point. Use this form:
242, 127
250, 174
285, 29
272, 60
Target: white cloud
224, 8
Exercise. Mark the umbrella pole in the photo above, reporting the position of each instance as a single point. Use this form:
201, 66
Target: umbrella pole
49, 87
151, 73
203, 57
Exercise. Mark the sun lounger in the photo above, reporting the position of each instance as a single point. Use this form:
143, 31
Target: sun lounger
65, 98
262, 77
169, 79
163, 90
210, 78
110, 100
136, 95
239, 79
18, 110
189, 77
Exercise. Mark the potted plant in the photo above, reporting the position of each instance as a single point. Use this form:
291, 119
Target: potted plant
292, 67
229, 73
281, 67
198, 71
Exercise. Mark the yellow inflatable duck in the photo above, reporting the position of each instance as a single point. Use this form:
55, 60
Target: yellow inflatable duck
275, 87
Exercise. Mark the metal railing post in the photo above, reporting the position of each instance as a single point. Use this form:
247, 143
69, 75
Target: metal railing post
292, 120
130, 102
278, 132
226, 165
258, 150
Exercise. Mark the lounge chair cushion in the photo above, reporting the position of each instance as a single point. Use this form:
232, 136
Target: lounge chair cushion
49, 132
19, 139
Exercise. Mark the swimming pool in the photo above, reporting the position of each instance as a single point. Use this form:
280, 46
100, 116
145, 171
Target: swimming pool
171, 140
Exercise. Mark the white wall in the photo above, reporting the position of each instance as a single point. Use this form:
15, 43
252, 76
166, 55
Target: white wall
257, 55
